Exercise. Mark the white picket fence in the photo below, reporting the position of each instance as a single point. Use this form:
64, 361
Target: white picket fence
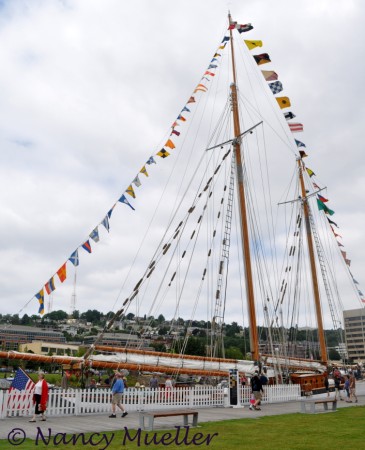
93, 401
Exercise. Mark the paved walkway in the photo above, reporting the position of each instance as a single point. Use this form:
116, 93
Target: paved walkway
101, 422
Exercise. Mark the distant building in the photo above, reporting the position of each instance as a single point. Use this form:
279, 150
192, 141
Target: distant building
117, 340
354, 320
13, 335
300, 349
46, 348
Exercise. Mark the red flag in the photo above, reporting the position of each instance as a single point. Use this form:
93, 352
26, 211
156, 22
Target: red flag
61, 272
323, 199
295, 127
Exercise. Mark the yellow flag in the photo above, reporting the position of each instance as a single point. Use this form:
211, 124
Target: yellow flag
170, 144
253, 44
163, 153
283, 102
144, 171
130, 191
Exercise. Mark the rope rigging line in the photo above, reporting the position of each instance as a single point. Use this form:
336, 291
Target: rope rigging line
157, 256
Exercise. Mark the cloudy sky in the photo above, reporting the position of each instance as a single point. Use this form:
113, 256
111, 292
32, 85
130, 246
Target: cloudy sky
89, 89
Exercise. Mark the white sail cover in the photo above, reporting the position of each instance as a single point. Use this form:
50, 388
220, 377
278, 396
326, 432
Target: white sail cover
244, 366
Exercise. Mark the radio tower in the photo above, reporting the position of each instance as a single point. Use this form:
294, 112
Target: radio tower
50, 302
73, 297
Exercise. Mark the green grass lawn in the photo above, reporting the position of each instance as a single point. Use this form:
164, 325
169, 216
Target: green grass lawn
343, 429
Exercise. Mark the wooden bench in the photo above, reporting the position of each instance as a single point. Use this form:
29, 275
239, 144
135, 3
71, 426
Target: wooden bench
313, 402
151, 415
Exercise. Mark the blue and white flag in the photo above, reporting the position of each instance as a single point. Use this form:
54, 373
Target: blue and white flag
151, 160
74, 258
123, 199
105, 222
95, 235
299, 144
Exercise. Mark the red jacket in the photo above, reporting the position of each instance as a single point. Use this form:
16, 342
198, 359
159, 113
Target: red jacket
44, 395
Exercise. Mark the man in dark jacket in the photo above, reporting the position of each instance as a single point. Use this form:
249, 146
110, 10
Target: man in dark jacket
257, 391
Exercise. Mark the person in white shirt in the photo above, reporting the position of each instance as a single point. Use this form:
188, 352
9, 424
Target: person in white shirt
40, 397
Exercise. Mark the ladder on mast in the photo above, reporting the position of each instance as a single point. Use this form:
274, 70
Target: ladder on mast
322, 264
218, 317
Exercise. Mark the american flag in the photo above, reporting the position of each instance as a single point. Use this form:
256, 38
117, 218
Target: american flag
22, 400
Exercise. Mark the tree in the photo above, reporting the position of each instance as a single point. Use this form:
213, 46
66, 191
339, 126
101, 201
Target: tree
334, 355
232, 329
130, 316
55, 316
160, 318
159, 346
162, 331
92, 316
25, 320
195, 346
234, 353
15, 319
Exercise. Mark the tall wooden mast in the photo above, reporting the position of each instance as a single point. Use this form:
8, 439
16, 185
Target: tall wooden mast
254, 344
317, 301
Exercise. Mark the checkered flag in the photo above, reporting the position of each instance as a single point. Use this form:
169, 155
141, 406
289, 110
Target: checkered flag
276, 87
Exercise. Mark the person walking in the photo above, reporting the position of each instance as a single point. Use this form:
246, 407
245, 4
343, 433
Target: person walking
257, 390
168, 387
353, 387
154, 382
40, 398
347, 388
117, 395
338, 388
326, 384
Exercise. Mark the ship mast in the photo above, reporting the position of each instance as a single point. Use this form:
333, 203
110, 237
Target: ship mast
254, 345
317, 301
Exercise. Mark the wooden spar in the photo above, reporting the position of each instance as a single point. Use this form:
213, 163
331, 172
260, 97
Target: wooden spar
40, 358
108, 364
317, 300
254, 343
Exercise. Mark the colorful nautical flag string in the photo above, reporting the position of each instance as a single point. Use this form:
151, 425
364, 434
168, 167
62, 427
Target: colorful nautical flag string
321, 203
200, 89
284, 102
